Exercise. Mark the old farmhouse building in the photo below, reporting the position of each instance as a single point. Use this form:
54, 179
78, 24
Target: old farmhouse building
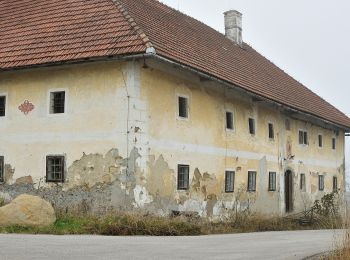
131, 105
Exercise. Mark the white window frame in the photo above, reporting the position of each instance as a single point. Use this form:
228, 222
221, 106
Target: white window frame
66, 102
308, 138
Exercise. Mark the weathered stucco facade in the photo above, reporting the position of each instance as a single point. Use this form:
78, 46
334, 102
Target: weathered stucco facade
122, 141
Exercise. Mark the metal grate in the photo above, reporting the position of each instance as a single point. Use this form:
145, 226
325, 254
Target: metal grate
57, 102
183, 177
2, 106
229, 181
55, 168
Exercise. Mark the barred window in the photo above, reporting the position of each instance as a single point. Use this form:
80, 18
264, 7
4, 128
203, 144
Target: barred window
57, 102
272, 181
321, 182
229, 181
183, 175
2, 169
335, 184
2, 106
302, 182
55, 168
252, 181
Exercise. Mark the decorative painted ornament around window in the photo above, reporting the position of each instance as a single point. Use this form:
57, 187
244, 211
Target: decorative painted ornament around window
26, 107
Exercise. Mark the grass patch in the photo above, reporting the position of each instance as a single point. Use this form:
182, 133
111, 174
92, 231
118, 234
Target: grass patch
133, 224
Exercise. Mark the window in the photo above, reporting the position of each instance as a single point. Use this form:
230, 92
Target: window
333, 143
57, 102
320, 141
302, 182
271, 131
252, 126
2, 169
2, 106
321, 182
229, 120
229, 181
272, 181
335, 184
251, 181
55, 168
303, 138
183, 107
183, 175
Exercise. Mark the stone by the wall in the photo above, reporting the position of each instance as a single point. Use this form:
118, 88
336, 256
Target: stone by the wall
27, 210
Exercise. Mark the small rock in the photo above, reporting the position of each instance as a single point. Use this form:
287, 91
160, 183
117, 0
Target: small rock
27, 210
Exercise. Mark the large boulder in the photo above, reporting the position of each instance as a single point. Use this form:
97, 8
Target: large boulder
27, 210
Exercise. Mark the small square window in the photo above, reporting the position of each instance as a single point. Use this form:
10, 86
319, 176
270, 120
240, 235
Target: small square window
321, 182
183, 107
55, 168
229, 181
333, 143
271, 131
252, 126
272, 181
335, 184
57, 102
229, 120
302, 182
2, 169
183, 175
2, 106
251, 181
303, 138
320, 141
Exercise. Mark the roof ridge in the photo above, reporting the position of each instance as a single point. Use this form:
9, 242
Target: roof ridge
134, 25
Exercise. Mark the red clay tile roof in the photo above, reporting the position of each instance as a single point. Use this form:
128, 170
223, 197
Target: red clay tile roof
41, 31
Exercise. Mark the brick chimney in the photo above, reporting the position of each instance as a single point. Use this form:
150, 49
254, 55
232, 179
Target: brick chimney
233, 26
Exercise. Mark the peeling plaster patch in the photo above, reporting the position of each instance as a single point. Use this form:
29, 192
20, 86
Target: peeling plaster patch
193, 205
142, 196
24, 180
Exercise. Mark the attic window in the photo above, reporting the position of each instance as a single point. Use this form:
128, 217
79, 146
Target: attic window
57, 102
252, 126
2, 106
229, 120
333, 143
183, 107
320, 141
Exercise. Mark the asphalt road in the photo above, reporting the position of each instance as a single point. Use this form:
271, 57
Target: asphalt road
270, 245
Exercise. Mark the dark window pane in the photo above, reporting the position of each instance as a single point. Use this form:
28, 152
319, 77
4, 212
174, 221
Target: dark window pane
2, 106
183, 177
271, 131
335, 184
2, 169
183, 107
288, 124
321, 182
302, 182
320, 141
229, 120
272, 181
229, 181
333, 143
305, 138
57, 105
55, 169
251, 126
251, 181
301, 137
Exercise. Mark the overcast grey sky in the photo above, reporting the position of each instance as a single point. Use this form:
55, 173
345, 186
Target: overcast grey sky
308, 39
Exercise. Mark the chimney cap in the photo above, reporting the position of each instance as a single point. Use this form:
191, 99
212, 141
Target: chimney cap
232, 12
